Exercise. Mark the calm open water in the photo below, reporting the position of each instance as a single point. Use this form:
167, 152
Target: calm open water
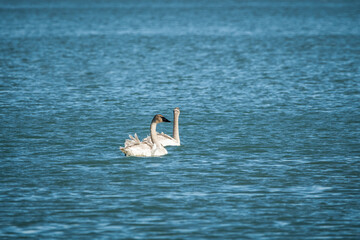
269, 93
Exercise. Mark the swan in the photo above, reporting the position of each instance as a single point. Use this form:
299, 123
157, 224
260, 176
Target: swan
153, 148
167, 140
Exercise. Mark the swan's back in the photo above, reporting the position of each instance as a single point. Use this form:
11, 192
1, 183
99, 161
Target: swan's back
133, 147
144, 149
132, 140
164, 139
137, 150
167, 140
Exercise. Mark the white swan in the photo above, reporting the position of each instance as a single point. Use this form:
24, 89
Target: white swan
167, 140
146, 148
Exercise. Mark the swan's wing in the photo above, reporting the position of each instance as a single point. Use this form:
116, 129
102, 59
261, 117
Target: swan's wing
136, 138
167, 140
157, 151
165, 136
161, 135
164, 139
147, 139
137, 150
134, 147
132, 141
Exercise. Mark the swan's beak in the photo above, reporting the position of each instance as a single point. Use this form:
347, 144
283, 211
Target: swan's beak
165, 120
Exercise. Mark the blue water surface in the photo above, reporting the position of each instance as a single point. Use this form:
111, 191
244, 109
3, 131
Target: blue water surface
269, 93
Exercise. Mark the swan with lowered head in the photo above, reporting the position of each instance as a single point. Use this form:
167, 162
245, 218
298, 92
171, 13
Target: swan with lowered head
146, 148
167, 140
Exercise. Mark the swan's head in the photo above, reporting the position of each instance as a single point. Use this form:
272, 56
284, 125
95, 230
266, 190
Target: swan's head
177, 110
159, 118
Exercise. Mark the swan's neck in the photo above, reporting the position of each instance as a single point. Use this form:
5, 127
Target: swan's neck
153, 134
176, 128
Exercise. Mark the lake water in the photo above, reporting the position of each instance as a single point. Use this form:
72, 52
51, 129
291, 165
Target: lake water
269, 93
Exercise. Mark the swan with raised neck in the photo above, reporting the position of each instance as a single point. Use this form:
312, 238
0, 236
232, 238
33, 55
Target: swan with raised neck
146, 148
167, 140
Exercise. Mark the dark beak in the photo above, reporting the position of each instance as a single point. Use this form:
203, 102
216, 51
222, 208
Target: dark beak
165, 120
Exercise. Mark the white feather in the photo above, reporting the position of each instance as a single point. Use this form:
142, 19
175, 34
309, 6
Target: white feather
146, 148
165, 139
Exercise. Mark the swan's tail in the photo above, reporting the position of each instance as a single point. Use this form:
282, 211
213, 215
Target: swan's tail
123, 150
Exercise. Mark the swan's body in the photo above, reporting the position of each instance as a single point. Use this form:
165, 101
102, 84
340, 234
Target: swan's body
167, 140
146, 148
